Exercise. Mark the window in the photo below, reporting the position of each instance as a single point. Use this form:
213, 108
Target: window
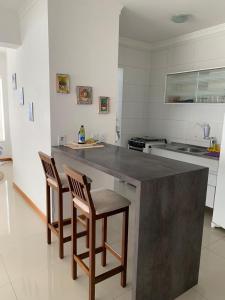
2, 123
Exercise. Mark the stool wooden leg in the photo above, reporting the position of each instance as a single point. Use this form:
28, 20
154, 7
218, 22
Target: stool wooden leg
104, 240
61, 246
87, 237
74, 241
92, 242
125, 248
48, 208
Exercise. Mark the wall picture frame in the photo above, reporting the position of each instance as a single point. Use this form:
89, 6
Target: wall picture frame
14, 81
104, 105
31, 112
63, 83
84, 95
21, 96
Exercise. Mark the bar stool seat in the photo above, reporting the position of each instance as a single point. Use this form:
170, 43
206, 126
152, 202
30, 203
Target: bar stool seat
104, 201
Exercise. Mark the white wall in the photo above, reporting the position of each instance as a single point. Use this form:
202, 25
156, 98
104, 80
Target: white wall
9, 28
177, 122
84, 43
89, 55
31, 64
136, 66
6, 144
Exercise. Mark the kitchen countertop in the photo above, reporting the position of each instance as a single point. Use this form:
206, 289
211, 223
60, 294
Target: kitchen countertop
173, 147
137, 166
169, 215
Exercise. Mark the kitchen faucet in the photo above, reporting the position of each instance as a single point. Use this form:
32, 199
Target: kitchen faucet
206, 134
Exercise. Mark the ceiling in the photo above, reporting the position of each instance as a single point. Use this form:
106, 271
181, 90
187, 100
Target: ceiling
13, 4
149, 20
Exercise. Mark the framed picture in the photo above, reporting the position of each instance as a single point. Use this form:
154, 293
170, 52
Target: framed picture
103, 105
84, 95
14, 81
63, 83
21, 96
31, 111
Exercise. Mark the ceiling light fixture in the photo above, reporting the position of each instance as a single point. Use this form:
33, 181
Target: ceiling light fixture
179, 19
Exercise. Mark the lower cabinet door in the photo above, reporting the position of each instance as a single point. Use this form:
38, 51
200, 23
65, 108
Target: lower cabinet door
210, 196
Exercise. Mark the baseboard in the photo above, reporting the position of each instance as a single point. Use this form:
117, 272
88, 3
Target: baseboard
40, 214
5, 158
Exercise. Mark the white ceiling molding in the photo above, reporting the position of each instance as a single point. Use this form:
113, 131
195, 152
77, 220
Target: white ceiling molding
24, 9
130, 43
189, 36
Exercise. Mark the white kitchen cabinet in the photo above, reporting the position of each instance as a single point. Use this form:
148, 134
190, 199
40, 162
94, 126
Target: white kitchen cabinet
210, 198
197, 160
203, 86
219, 207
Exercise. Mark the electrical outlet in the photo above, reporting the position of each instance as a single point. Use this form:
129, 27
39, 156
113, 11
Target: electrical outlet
61, 140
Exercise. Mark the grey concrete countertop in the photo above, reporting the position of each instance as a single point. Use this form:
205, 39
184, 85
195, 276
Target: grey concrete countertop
121, 162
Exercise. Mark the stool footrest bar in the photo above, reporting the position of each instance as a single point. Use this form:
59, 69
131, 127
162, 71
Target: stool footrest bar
83, 266
113, 252
108, 274
86, 254
67, 239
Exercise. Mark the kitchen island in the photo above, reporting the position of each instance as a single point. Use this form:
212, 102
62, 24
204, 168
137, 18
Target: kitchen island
169, 216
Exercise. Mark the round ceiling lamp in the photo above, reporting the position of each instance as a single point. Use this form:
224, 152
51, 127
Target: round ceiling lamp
179, 19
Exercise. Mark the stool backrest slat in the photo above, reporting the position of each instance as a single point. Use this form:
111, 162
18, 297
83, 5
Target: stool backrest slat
49, 167
79, 187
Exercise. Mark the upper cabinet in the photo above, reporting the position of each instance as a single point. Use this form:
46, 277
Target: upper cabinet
206, 86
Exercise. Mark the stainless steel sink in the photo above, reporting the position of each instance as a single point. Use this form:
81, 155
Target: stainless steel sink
192, 150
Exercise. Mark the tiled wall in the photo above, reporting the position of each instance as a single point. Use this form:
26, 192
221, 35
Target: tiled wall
135, 111
178, 122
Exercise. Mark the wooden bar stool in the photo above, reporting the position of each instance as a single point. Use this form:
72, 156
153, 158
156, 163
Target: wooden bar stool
59, 183
99, 205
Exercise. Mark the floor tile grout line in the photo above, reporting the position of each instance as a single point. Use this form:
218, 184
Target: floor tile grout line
209, 244
4, 266
199, 293
214, 253
14, 291
8, 276
125, 292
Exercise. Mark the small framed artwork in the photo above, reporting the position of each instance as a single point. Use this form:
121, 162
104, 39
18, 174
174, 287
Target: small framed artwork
31, 112
104, 105
63, 83
84, 95
14, 81
21, 96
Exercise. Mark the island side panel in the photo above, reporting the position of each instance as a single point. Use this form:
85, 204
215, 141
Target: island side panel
171, 217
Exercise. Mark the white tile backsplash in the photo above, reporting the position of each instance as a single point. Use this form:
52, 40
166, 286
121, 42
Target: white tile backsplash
159, 59
134, 58
135, 111
144, 111
178, 121
212, 47
136, 76
132, 92
181, 54
157, 92
136, 126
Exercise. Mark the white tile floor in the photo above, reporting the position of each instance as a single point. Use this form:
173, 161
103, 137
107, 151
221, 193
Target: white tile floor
31, 270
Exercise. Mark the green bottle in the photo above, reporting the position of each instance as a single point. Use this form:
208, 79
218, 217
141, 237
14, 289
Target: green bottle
81, 135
